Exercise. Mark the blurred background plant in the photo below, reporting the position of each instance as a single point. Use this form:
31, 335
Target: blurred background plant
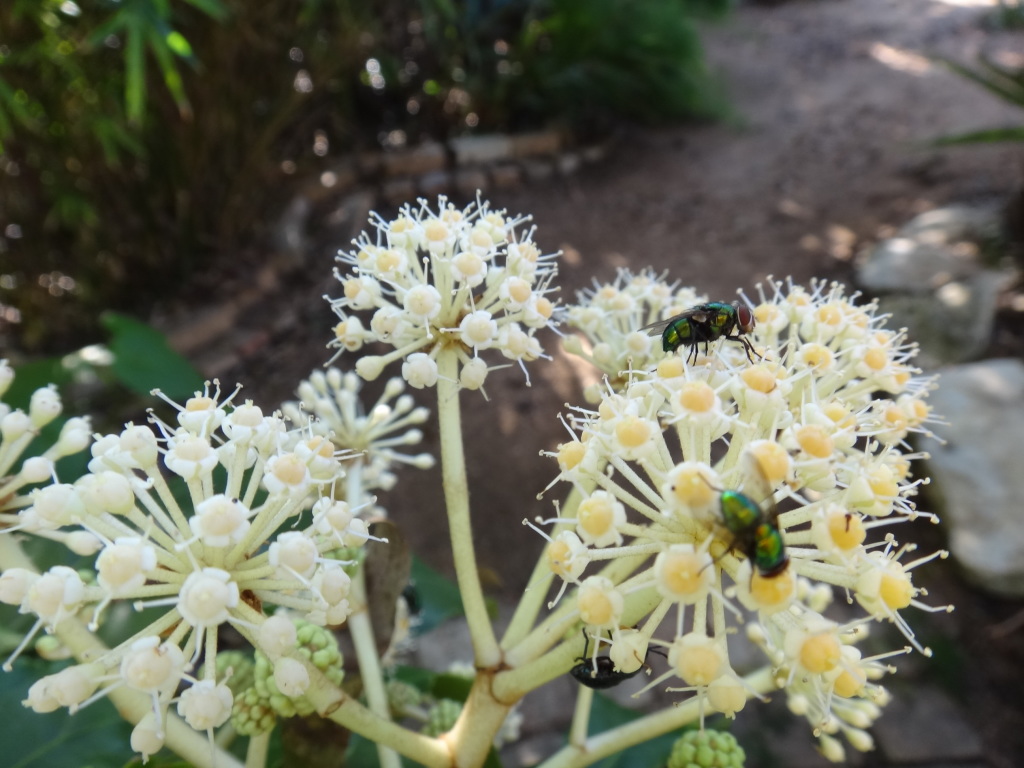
1006, 82
134, 133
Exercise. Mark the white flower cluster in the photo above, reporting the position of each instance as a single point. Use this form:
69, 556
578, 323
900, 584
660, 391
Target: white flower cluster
612, 317
372, 437
465, 279
17, 431
211, 554
819, 424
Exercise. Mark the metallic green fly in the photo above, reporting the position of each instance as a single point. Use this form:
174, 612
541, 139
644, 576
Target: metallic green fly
703, 324
754, 527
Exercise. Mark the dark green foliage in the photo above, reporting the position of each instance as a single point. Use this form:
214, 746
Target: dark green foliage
140, 140
95, 736
592, 60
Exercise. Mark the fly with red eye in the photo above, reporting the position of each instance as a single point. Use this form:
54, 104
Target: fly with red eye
704, 324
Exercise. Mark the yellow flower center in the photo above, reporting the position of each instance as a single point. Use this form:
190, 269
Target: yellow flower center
829, 314
846, 530
849, 683
632, 431
815, 441
817, 356
896, 591
758, 378
696, 396
773, 591
875, 358
570, 455
820, 653
596, 516
670, 368
772, 459
544, 307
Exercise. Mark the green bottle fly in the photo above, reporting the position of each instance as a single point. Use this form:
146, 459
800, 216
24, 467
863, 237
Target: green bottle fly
704, 324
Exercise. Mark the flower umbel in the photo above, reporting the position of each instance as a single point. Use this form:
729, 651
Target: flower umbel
373, 438
213, 554
700, 455
469, 280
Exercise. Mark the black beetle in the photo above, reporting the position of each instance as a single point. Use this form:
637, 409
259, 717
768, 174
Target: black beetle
604, 675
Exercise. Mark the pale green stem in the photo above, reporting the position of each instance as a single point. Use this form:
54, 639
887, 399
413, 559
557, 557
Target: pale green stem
513, 684
256, 752
361, 629
581, 717
532, 601
549, 631
645, 728
369, 665
456, 495
471, 737
189, 744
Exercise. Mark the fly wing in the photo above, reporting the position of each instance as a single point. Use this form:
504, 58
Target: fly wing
696, 314
756, 485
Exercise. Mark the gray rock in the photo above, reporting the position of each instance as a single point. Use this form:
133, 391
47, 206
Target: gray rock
427, 157
932, 278
481, 149
925, 727
978, 474
953, 323
535, 144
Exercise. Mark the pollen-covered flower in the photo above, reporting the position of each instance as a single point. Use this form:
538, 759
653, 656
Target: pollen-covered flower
470, 280
752, 487
372, 437
210, 520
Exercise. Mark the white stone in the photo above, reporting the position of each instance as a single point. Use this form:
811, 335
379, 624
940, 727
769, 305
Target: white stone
976, 475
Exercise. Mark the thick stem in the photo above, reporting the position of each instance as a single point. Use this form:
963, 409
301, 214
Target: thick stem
456, 494
482, 715
189, 744
644, 728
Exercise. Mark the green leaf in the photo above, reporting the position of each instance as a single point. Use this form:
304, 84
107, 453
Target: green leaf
985, 136
143, 360
213, 8
605, 714
31, 376
135, 72
454, 687
439, 597
94, 736
179, 45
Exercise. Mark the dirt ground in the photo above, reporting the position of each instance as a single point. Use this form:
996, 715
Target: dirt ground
835, 100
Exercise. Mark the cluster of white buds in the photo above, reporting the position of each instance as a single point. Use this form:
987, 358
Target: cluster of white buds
612, 317
372, 437
202, 521
686, 464
20, 473
469, 280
